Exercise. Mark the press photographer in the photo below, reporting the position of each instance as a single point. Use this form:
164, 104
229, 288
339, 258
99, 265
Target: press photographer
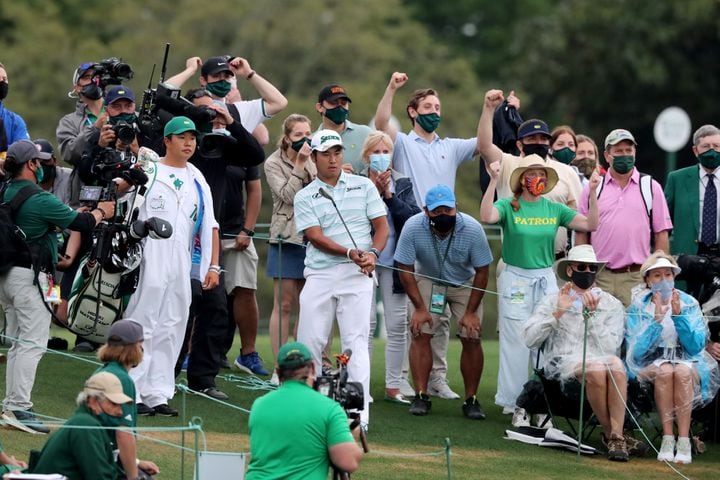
299, 443
28, 262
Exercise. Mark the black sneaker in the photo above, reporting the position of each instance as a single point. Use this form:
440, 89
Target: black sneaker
165, 410
213, 392
420, 405
145, 411
472, 409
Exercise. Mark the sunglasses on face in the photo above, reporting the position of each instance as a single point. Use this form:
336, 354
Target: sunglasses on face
585, 267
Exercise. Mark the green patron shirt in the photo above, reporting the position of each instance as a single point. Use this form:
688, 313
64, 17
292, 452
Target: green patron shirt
529, 233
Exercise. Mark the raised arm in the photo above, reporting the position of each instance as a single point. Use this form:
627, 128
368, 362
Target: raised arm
488, 212
384, 108
589, 223
274, 100
191, 66
488, 150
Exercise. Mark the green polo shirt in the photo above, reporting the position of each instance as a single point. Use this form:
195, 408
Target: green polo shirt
353, 138
39, 215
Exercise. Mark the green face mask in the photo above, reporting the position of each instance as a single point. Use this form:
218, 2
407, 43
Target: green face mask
623, 163
39, 174
564, 155
123, 117
428, 121
709, 159
220, 88
337, 115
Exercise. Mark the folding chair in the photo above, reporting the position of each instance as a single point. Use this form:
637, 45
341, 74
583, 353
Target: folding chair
563, 401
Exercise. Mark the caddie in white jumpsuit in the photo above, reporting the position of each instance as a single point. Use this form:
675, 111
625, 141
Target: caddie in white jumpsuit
179, 194
338, 284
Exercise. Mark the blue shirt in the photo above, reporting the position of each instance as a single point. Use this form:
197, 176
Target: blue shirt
357, 199
467, 251
428, 164
15, 128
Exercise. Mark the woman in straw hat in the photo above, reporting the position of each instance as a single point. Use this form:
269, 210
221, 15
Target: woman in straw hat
666, 335
529, 223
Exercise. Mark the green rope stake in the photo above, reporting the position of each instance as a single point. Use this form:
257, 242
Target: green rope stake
448, 454
586, 318
197, 423
182, 386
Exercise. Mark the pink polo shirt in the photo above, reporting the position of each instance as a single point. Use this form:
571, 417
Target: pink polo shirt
623, 236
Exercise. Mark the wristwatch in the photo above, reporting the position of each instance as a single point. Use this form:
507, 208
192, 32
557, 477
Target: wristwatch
375, 252
248, 232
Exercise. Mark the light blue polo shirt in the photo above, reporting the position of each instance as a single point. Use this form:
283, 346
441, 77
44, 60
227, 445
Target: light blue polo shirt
428, 164
468, 249
357, 199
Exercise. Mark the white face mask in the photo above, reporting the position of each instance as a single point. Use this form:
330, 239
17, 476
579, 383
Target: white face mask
221, 131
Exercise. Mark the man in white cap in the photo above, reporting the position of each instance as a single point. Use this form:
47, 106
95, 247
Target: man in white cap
81, 448
632, 208
340, 241
558, 323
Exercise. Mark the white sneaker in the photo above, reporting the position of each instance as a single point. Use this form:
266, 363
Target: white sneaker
508, 410
684, 451
520, 418
275, 380
406, 389
438, 387
667, 449
539, 418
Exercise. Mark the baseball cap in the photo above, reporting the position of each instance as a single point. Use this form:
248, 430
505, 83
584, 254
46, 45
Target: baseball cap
617, 136
118, 92
332, 92
292, 355
179, 125
533, 127
109, 385
125, 332
215, 65
44, 146
23, 151
323, 140
82, 70
439, 196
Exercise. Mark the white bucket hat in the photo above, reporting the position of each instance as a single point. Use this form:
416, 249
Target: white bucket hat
659, 260
578, 254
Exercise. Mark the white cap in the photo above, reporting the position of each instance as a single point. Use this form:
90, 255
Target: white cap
323, 140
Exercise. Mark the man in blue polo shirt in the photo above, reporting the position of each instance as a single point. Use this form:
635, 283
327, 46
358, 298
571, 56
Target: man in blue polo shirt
335, 287
450, 250
428, 160
12, 125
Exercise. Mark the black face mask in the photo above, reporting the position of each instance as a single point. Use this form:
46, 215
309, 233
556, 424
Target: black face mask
583, 280
443, 223
535, 149
3, 90
49, 172
91, 91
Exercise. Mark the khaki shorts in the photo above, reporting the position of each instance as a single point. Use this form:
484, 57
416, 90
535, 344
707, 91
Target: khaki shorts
457, 299
240, 267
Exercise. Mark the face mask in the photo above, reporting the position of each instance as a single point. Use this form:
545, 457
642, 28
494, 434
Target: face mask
220, 88
585, 165
665, 287
39, 174
3, 90
710, 159
583, 280
379, 162
428, 121
535, 149
337, 115
128, 118
299, 144
91, 91
443, 223
535, 185
564, 155
623, 163
221, 131
48, 172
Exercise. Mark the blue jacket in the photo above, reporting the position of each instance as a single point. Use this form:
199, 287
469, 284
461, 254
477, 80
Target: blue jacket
643, 336
15, 128
402, 206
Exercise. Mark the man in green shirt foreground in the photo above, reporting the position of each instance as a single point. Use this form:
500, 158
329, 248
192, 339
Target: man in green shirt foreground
81, 450
295, 432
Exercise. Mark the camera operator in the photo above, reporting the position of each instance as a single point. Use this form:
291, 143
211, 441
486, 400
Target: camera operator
27, 317
229, 144
299, 443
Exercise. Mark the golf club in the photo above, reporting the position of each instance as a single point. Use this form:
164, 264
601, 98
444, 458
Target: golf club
327, 195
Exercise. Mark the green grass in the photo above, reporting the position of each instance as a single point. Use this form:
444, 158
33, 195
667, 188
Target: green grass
478, 449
